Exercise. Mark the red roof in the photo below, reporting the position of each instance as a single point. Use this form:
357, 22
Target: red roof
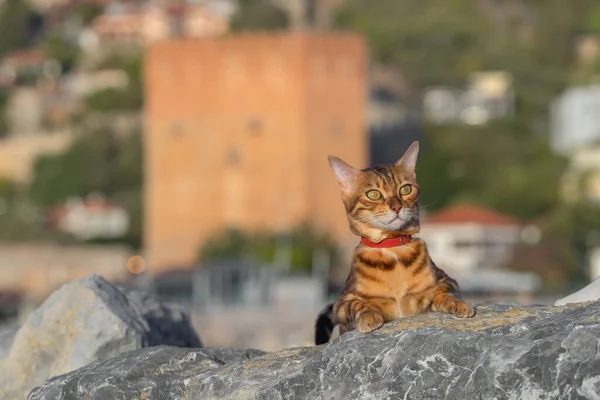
469, 213
25, 57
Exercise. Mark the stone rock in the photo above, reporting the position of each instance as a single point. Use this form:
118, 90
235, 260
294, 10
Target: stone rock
505, 352
85, 321
7, 336
589, 293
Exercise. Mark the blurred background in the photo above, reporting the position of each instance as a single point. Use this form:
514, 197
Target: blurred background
180, 147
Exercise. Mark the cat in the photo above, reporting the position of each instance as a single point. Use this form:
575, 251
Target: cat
392, 275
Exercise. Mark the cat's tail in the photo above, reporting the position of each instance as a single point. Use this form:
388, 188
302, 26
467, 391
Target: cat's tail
324, 325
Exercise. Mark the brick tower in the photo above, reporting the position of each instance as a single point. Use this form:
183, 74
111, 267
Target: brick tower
238, 130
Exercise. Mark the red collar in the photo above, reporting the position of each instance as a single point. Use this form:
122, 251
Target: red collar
393, 242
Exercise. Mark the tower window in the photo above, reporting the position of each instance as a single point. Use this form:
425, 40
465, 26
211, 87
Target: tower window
255, 126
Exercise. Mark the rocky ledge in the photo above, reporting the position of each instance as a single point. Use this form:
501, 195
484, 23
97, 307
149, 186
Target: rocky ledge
85, 321
505, 352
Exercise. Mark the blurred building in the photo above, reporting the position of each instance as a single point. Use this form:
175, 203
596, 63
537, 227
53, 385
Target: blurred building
575, 119
27, 65
145, 23
488, 95
19, 153
581, 181
94, 217
81, 84
474, 245
468, 237
238, 133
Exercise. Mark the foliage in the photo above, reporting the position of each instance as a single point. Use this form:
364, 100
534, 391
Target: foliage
111, 99
490, 165
56, 47
261, 246
258, 15
96, 161
15, 16
127, 99
7, 188
442, 42
3, 118
87, 12
396, 36
579, 225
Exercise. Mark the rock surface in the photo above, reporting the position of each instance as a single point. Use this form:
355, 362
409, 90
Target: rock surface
589, 293
85, 321
505, 352
7, 335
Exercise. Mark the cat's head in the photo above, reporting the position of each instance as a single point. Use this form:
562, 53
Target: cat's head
382, 201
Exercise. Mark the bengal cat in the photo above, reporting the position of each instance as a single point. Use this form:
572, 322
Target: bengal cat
392, 275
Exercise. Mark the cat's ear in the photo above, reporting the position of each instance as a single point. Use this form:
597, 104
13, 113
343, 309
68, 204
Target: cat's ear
345, 174
408, 162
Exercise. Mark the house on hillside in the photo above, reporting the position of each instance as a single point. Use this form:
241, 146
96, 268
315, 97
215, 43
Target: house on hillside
93, 217
26, 66
142, 24
474, 245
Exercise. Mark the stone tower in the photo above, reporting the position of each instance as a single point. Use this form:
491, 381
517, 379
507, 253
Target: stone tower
238, 130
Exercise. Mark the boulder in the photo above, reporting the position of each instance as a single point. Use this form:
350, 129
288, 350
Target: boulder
7, 335
85, 321
589, 293
505, 352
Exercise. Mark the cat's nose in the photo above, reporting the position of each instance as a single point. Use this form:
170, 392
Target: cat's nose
395, 208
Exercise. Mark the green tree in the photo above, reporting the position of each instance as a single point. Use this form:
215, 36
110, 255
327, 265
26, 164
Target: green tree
56, 47
262, 246
433, 42
258, 15
87, 12
96, 162
3, 119
494, 166
7, 188
126, 99
14, 21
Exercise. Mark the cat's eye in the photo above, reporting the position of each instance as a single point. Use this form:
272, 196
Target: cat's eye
406, 189
374, 194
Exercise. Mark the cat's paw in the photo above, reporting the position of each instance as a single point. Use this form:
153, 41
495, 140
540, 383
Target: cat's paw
458, 307
369, 321
463, 309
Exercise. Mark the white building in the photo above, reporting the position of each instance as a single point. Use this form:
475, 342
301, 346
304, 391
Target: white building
488, 95
576, 119
473, 244
581, 181
89, 218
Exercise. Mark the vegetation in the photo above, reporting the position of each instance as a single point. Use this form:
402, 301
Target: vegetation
56, 47
15, 25
3, 118
97, 161
129, 98
302, 243
258, 15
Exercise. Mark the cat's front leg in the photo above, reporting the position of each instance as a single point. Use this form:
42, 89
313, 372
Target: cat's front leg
365, 315
446, 299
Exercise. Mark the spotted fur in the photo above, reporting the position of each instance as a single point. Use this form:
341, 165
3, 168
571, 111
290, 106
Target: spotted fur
385, 284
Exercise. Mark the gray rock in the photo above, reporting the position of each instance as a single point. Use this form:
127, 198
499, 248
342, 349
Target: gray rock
7, 335
591, 292
505, 352
85, 321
